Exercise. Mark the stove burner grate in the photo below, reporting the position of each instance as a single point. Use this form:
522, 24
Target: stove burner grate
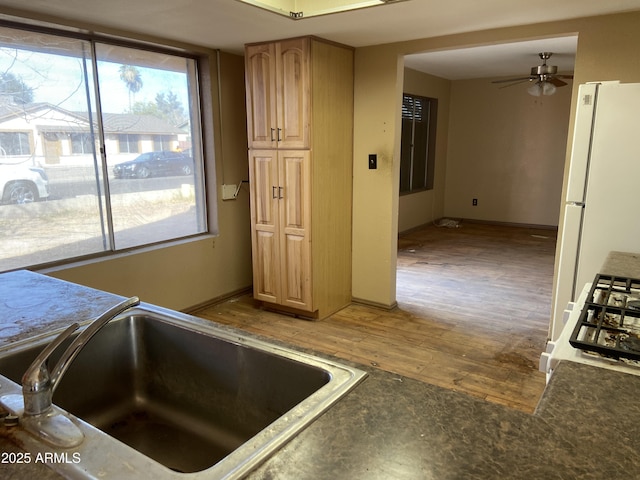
609, 322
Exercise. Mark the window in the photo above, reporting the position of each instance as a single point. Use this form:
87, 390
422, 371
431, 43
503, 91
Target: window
14, 143
417, 150
80, 119
128, 143
81, 143
161, 143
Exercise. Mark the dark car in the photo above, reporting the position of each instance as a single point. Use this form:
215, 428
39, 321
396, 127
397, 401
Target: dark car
155, 164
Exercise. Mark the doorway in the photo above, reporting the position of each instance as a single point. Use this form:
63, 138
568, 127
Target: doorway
500, 159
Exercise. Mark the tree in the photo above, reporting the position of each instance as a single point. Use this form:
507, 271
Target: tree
131, 77
170, 107
166, 106
14, 90
146, 108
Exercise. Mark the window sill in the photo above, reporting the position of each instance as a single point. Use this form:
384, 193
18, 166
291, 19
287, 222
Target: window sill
109, 256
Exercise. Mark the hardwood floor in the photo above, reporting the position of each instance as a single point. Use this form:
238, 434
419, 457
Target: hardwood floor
473, 313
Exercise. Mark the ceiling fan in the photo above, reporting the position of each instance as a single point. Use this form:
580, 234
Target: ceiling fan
545, 77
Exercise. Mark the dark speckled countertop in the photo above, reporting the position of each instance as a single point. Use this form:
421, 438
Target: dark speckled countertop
33, 304
390, 427
402, 429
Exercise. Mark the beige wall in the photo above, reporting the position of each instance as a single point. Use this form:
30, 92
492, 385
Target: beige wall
378, 87
501, 146
194, 272
506, 149
607, 49
423, 207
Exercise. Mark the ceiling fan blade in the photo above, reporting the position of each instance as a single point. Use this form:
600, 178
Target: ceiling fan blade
556, 81
543, 75
521, 79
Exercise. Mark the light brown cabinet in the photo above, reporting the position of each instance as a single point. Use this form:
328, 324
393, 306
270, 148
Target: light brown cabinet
300, 126
281, 189
278, 101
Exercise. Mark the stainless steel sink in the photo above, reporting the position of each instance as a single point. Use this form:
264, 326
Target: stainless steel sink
192, 396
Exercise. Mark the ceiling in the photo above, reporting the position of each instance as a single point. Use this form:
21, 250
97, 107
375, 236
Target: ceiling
229, 24
501, 60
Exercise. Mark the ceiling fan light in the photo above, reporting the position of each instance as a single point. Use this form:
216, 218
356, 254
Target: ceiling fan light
541, 88
548, 88
535, 89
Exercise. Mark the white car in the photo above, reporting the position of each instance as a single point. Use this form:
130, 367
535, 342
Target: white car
20, 183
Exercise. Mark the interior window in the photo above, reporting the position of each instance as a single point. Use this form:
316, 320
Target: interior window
417, 150
77, 117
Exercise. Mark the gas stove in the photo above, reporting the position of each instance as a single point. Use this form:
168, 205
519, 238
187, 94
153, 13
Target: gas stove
609, 322
602, 328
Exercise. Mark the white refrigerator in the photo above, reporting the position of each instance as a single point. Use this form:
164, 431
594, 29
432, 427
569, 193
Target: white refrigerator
602, 204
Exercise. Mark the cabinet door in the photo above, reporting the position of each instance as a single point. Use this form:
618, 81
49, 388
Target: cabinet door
293, 85
295, 228
263, 177
260, 79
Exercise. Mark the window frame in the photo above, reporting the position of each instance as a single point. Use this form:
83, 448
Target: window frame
82, 140
408, 140
128, 140
203, 103
19, 134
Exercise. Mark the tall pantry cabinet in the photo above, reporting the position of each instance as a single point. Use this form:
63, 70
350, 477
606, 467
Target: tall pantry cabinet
300, 130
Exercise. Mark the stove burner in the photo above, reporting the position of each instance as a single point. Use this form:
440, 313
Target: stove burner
609, 323
632, 344
634, 304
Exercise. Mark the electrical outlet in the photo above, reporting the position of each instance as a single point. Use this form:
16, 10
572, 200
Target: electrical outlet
229, 192
474, 202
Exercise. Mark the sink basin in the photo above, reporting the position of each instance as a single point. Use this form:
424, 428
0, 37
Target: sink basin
188, 394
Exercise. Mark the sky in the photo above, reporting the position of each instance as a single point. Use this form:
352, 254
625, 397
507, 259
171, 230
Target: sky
59, 80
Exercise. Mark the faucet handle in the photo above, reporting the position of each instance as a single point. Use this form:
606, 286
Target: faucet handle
38, 376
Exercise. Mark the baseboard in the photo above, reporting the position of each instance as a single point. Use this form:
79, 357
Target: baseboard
217, 300
284, 310
369, 303
461, 221
509, 224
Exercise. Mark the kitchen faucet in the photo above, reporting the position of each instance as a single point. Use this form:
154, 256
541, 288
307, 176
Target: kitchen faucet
40, 416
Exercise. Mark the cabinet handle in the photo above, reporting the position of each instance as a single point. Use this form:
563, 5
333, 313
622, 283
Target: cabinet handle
280, 189
272, 130
273, 192
279, 136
